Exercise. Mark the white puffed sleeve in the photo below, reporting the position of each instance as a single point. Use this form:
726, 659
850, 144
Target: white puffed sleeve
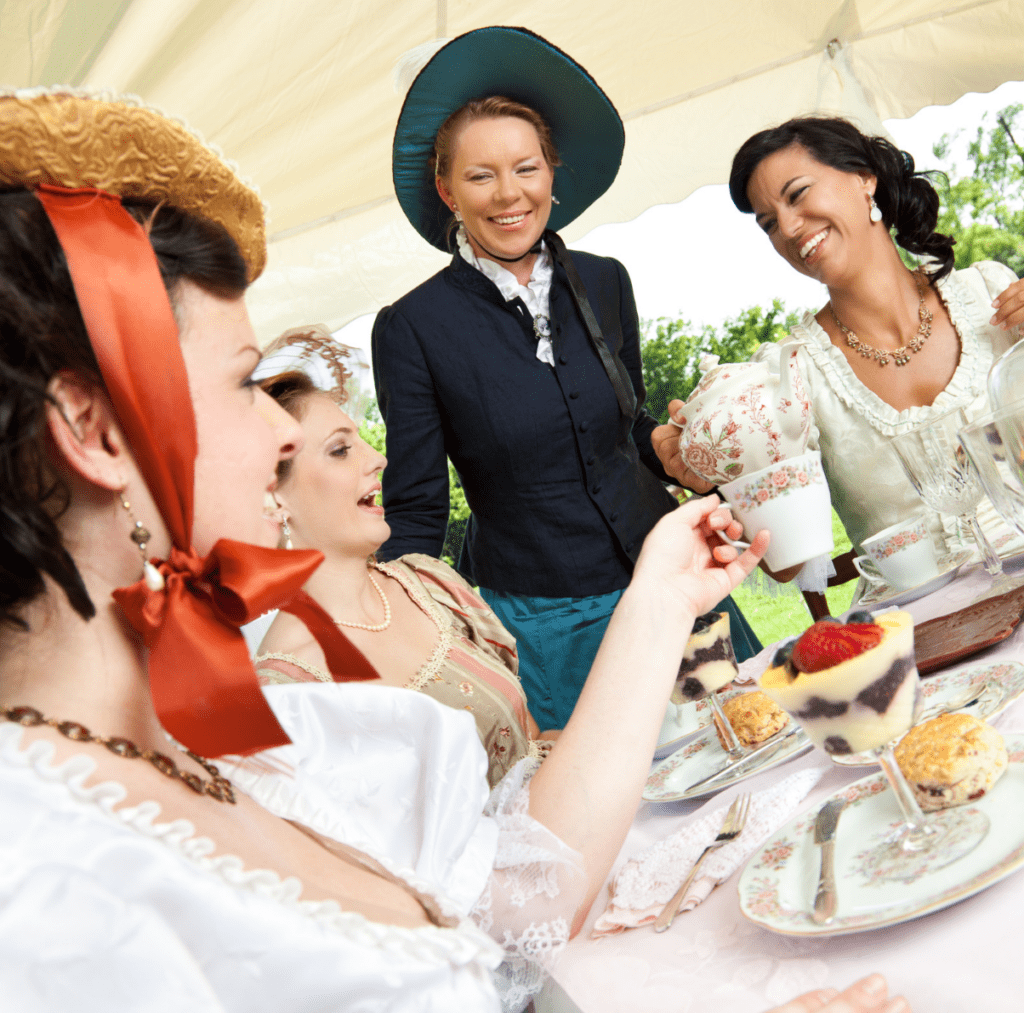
402, 777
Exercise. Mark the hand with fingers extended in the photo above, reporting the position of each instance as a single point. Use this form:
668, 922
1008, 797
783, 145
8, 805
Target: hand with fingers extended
1009, 308
684, 554
869, 995
665, 441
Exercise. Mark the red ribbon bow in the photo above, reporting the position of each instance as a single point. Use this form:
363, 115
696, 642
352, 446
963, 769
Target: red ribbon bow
203, 684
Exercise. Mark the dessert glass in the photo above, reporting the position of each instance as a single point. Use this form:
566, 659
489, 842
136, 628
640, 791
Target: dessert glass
706, 679
866, 704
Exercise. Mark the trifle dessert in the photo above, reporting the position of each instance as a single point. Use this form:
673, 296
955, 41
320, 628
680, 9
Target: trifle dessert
852, 687
709, 662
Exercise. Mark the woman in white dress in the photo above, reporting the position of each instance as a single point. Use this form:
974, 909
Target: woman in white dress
340, 876
892, 348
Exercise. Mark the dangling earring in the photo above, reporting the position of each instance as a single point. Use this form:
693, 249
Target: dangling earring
555, 200
874, 211
140, 536
285, 541
457, 213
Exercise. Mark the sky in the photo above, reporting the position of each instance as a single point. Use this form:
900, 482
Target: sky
702, 260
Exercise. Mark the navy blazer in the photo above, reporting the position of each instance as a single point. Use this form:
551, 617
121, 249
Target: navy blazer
562, 487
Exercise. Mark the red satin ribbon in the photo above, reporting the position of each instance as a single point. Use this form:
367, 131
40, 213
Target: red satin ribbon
203, 684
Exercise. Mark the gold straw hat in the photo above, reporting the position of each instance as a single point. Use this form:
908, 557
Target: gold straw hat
72, 138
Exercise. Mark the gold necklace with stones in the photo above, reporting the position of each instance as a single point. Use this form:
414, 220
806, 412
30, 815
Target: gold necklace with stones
218, 787
901, 355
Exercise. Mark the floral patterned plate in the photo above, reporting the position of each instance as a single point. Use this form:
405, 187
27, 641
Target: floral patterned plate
881, 593
686, 772
685, 720
989, 689
777, 887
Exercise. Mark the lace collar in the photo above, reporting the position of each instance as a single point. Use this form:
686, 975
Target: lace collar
966, 384
536, 294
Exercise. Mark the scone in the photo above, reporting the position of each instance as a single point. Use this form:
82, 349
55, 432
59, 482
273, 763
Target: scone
753, 717
851, 687
709, 661
951, 760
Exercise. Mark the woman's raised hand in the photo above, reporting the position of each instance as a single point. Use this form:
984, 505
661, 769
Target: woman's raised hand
685, 555
1009, 309
869, 995
665, 441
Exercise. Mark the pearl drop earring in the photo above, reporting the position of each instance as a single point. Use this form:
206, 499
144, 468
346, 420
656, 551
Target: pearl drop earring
140, 536
874, 211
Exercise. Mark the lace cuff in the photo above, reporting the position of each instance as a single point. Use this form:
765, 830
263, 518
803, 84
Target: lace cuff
533, 892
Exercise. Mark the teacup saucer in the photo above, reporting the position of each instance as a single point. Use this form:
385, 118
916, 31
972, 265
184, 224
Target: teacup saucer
882, 593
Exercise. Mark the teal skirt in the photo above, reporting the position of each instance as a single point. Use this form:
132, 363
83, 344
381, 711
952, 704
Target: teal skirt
557, 640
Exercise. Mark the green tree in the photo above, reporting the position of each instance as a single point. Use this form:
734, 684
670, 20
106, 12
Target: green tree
373, 430
672, 349
983, 208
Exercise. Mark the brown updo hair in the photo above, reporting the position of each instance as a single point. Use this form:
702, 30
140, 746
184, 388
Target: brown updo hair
292, 391
491, 108
42, 333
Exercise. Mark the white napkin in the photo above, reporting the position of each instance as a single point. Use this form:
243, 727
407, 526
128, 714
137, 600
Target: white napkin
646, 883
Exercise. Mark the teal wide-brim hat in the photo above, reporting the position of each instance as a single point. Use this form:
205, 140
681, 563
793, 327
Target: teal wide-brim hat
517, 64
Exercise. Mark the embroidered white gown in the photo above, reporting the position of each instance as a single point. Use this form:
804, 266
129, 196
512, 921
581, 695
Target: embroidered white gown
852, 425
110, 908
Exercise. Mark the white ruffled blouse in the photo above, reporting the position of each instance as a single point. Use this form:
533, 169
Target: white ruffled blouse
536, 294
110, 908
852, 425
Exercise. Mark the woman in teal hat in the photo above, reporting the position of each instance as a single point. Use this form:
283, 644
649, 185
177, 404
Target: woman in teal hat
519, 362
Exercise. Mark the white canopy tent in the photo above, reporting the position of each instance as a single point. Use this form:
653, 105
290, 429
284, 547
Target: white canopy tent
300, 94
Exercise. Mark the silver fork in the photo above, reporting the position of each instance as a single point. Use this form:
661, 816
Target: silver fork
735, 820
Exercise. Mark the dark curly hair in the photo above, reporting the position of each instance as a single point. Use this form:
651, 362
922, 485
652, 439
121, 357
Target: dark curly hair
907, 199
41, 333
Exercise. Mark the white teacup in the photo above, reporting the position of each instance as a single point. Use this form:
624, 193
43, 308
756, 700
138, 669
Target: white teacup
903, 555
792, 501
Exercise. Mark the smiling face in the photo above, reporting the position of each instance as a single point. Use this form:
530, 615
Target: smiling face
815, 216
241, 432
330, 492
501, 184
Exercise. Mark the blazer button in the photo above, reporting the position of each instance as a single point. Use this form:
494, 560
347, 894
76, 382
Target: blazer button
584, 426
562, 359
590, 461
574, 394
614, 517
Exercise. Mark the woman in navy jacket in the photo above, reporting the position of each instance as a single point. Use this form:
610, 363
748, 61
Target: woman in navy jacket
519, 361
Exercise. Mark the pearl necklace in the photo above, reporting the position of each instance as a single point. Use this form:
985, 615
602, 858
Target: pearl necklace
901, 355
219, 787
380, 627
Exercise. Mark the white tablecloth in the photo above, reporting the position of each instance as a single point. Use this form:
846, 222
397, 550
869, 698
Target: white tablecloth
965, 959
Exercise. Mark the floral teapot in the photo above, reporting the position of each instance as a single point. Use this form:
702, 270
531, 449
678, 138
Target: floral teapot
742, 417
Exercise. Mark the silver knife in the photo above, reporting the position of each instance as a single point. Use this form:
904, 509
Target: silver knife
787, 732
824, 835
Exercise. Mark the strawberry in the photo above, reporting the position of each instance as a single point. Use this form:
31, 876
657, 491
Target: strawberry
828, 643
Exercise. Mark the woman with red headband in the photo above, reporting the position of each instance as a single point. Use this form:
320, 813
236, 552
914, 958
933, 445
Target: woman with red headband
137, 458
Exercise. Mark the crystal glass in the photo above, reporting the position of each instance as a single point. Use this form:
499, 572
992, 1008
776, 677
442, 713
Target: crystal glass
995, 445
944, 477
